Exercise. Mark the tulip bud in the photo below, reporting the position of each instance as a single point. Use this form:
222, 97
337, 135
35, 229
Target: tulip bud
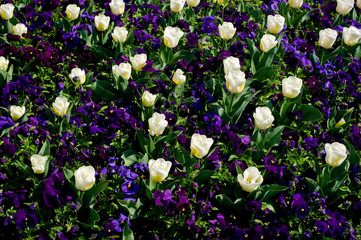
219, 2
172, 36
263, 118
231, 64
159, 169
177, 5
351, 35
120, 34
60, 106
226, 30
138, 61
235, 81
250, 180
178, 77
327, 38
335, 154
193, 3
148, 99
72, 11
295, 3
344, 6
157, 124
16, 112
358, 4
340, 123
19, 29
268, 42
275, 23
123, 69
84, 178
117, 7
4, 63
38, 163
200, 145
101, 22
291, 87
7, 11
203, 43
77, 76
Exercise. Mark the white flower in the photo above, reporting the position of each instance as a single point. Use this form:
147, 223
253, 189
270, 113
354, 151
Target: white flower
148, 99
250, 180
60, 106
200, 145
177, 5
19, 29
226, 30
7, 11
101, 22
203, 43
263, 118
178, 77
16, 112
4, 63
327, 38
138, 61
123, 69
157, 124
172, 36
77, 76
344, 6
219, 2
84, 178
268, 42
231, 64
120, 34
193, 3
275, 23
358, 4
38, 163
335, 154
351, 35
235, 81
72, 11
159, 169
291, 87
117, 7
295, 3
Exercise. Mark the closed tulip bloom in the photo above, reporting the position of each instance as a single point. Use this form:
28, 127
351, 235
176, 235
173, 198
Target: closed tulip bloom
340, 123
335, 154
172, 35
351, 35
120, 34
4, 63
19, 29
159, 169
123, 69
38, 163
178, 77
231, 64
203, 43
250, 180
263, 118
84, 178
219, 2
275, 23
344, 6
72, 11
358, 4
117, 7
193, 3
327, 38
268, 42
7, 11
157, 124
177, 5
200, 145
291, 87
61, 106
101, 22
235, 81
77, 76
17, 112
295, 3
138, 61
148, 99
226, 30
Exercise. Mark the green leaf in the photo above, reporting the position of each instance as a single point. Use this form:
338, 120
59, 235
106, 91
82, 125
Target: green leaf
203, 176
3, 76
238, 169
353, 158
269, 191
45, 149
121, 83
314, 187
104, 89
241, 105
130, 157
46, 168
183, 55
310, 113
87, 217
92, 193
68, 174
263, 74
273, 137
26, 169
303, 16
131, 207
127, 232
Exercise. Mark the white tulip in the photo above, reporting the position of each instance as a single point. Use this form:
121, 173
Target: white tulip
61, 106
38, 163
226, 30
344, 6
295, 3
235, 81
72, 11
268, 42
193, 3
177, 5
7, 11
178, 77
335, 154
148, 99
358, 4
19, 29
250, 180
101, 22
17, 112
117, 7
84, 178
172, 35
203, 43
263, 118
157, 124
328, 37
123, 69
120, 34
159, 169
291, 87
4, 63
77, 76
351, 35
275, 23
231, 64
138, 61
200, 145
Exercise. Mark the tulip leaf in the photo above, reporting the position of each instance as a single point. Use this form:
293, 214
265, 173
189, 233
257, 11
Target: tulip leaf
45, 149
46, 168
87, 217
203, 176
3, 76
121, 83
310, 113
273, 137
353, 158
104, 89
268, 191
68, 174
303, 16
241, 105
314, 187
238, 169
27, 170
262, 74
130, 157
131, 207
127, 232
92, 193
